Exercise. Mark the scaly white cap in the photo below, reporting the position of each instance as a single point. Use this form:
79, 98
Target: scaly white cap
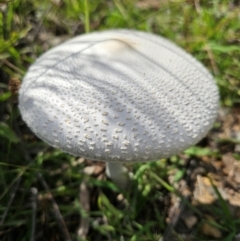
119, 96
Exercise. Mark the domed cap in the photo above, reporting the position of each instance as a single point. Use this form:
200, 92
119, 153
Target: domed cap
119, 95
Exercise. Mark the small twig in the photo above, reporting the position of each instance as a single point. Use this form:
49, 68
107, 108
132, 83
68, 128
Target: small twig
34, 192
176, 217
13, 67
12, 195
58, 216
105, 220
40, 23
84, 200
197, 5
178, 211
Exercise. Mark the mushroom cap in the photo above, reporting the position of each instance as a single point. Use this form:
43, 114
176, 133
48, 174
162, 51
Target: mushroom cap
119, 96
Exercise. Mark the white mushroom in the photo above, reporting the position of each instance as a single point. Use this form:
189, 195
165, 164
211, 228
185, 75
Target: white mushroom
119, 96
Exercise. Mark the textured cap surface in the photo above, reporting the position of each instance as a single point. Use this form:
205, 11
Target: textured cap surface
119, 95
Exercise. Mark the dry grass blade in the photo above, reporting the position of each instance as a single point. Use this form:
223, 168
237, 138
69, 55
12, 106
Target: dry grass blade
34, 193
212, 60
58, 216
12, 196
84, 200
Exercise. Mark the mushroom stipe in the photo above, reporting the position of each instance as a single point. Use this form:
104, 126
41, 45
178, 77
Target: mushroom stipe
119, 96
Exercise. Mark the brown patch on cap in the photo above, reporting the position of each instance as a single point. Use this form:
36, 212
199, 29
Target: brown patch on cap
119, 45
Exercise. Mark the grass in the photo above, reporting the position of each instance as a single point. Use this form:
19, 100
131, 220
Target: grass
210, 31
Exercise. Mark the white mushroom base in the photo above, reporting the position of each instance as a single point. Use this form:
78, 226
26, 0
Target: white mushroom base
118, 173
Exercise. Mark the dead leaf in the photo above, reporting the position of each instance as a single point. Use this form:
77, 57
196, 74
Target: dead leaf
190, 221
211, 231
89, 170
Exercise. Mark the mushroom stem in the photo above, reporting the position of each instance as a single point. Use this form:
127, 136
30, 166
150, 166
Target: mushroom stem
118, 173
